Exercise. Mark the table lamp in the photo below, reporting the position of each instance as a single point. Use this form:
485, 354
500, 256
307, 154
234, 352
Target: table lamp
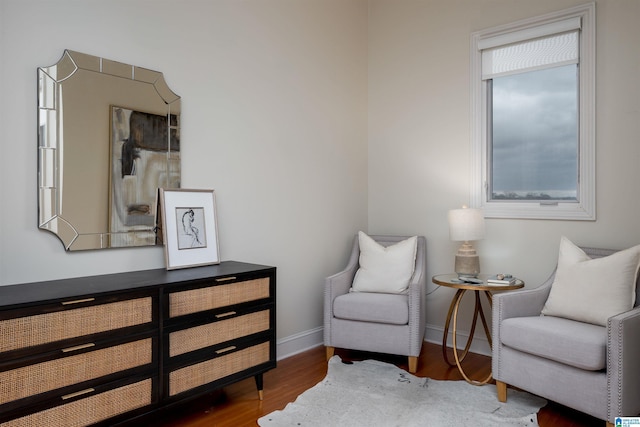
466, 225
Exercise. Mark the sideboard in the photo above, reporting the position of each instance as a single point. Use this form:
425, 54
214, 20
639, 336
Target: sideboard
104, 350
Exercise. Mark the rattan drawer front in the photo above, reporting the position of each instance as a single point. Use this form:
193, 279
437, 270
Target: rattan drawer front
201, 299
198, 337
211, 370
90, 410
46, 376
28, 331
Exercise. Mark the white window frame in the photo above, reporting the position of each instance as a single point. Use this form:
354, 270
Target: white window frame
585, 207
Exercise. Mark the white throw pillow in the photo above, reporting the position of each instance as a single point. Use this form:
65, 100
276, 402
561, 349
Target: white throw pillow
385, 269
592, 290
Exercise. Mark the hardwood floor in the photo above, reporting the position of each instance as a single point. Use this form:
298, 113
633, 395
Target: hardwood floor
238, 404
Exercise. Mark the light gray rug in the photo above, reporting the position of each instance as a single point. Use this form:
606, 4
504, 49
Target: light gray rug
372, 393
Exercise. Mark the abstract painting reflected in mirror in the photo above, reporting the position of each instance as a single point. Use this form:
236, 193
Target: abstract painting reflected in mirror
141, 145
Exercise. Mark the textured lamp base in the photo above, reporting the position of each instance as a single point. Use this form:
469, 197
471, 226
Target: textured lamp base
467, 261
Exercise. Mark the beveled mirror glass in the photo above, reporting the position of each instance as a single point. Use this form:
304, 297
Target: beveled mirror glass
108, 138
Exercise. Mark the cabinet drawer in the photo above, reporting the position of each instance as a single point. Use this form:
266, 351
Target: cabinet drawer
202, 336
90, 410
193, 376
47, 376
201, 299
22, 332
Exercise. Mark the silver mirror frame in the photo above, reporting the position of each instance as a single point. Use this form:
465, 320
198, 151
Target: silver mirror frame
54, 152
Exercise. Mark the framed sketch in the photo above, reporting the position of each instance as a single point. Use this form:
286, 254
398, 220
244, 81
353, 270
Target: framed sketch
188, 227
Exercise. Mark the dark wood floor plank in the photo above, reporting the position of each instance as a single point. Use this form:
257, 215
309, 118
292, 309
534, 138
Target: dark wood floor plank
238, 405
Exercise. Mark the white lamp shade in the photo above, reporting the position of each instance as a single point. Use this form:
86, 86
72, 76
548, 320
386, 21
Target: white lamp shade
466, 224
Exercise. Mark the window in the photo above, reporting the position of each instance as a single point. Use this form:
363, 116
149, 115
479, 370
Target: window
533, 117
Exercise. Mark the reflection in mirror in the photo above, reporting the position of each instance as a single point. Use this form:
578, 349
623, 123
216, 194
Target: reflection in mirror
108, 138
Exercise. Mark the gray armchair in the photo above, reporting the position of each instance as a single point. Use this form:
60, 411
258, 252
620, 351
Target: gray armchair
593, 369
376, 322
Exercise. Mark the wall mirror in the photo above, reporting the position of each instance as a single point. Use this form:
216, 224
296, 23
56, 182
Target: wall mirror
108, 138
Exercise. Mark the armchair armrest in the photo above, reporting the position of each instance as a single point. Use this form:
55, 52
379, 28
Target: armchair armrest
416, 296
416, 288
336, 285
623, 370
418, 281
340, 283
522, 303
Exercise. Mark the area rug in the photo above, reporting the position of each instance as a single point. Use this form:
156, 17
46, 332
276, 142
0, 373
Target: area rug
372, 393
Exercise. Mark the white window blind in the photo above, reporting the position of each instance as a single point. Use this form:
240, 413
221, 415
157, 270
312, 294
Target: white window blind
553, 45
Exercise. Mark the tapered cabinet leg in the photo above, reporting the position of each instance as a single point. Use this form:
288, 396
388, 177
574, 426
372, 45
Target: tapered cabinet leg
330, 351
259, 386
502, 391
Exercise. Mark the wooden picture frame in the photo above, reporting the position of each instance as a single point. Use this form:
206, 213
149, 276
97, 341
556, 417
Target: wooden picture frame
189, 229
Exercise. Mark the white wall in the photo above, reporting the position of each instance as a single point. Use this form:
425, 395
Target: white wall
274, 104
419, 140
276, 99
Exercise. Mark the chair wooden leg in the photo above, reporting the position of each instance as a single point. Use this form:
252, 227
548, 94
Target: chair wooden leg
413, 364
330, 351
502, 391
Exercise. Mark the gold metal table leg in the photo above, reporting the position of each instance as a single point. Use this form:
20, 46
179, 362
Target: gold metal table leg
455, 302
453, 311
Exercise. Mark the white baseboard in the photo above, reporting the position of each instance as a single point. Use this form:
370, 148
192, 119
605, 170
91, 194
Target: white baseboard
479, 345
306, 340
303, 341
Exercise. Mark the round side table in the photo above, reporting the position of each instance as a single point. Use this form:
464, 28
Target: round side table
451, 281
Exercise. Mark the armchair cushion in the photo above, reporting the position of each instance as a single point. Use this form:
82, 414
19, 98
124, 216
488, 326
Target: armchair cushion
372, 307
385, 269
578, 344
592, 290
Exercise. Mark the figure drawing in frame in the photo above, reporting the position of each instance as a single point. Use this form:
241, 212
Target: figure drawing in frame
190, 228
